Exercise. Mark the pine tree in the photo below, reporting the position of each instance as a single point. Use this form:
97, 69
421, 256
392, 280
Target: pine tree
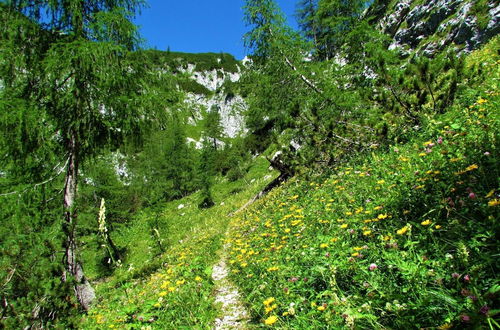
87, 89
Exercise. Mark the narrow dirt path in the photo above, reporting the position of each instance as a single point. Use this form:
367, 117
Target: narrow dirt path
234, 314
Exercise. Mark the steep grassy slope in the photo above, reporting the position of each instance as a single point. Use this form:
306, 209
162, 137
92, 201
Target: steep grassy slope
400, 238
170, 287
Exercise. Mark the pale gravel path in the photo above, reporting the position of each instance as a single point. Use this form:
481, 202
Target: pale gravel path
234, 314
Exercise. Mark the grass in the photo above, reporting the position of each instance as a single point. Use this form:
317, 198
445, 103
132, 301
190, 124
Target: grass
171, 288
398, 238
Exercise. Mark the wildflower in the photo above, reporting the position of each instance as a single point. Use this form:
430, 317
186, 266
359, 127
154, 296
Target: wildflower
372, 267
472, 195
494, 202
321, 308
465, 318
492, 191
382, 216
484, 310
323, 245
367, 232
487, 153
270, 308
344, 226
440, 140
467, 278
438, 227
402, 231
163, 294
269, 301
271, 320
426, 222
471, 168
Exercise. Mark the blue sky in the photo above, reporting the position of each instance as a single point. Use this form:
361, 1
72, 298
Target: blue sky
198, 26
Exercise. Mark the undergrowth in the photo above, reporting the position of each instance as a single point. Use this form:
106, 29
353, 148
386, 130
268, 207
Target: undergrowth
403, 238
170, 286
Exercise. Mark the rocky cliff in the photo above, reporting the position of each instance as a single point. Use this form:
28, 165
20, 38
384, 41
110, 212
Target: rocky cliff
429, 26
218, 83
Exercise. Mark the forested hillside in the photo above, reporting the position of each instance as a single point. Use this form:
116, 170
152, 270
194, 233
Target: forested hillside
345, 175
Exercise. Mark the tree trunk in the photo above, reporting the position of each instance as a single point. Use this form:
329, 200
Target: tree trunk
72, 268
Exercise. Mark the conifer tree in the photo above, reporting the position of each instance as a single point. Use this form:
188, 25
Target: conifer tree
213, 128
87, 89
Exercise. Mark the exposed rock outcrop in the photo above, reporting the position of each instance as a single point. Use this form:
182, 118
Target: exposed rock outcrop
230, 105
430, 26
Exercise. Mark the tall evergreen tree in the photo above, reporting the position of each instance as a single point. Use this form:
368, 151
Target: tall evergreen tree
334, 20
306, 17
87, 89
213, 128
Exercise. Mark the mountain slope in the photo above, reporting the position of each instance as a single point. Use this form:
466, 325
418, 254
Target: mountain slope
431, 26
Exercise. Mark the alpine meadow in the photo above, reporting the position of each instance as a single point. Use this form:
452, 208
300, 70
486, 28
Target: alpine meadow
343, 175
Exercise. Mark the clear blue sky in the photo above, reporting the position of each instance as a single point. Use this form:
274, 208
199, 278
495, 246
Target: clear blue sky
199, 26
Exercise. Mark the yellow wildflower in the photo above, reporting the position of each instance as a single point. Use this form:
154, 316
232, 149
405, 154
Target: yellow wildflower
494, 202
382, 216
492, 191
321, 308
271, 320
471, 168
198, 279
438, 227
367, 232
163, 294
402, 231
323, 245
344, 226
426, 222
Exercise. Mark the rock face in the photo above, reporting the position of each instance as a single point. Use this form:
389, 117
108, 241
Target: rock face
432, 25
230, 105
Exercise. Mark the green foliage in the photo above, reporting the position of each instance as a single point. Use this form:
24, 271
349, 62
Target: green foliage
191, 86
399, 238
201, 61
173, 289
480, 9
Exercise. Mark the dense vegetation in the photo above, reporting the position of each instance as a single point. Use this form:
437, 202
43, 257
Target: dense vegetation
388, 219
